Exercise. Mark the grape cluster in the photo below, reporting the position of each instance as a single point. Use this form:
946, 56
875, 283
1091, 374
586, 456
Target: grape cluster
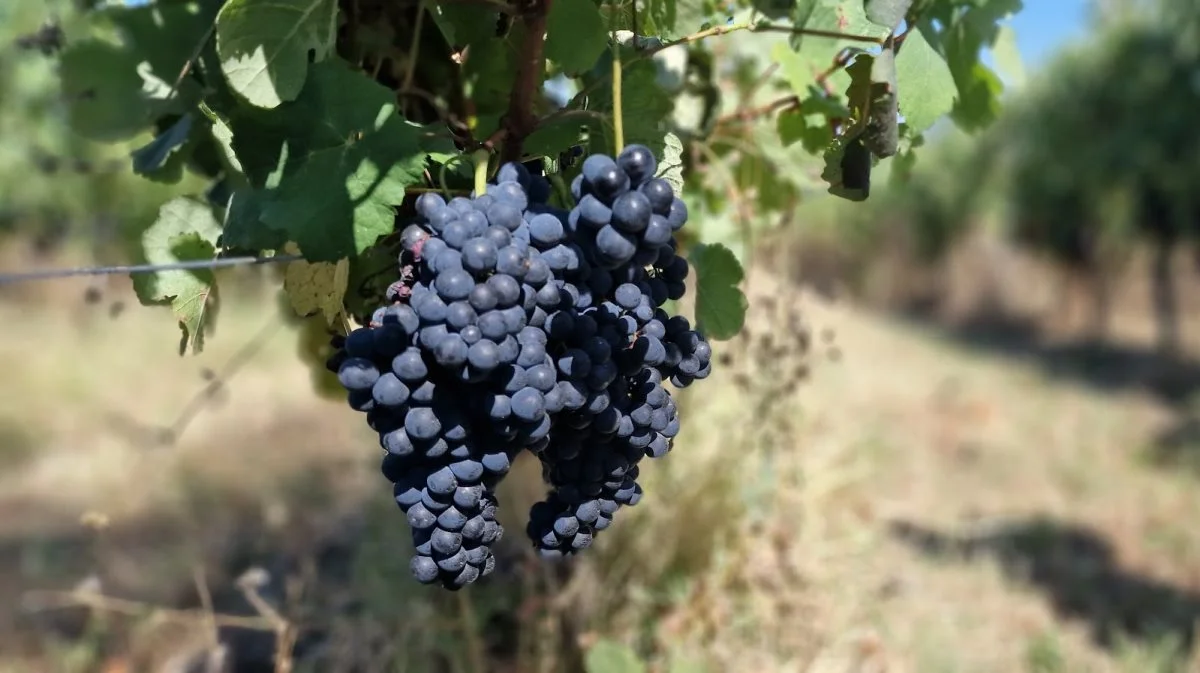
516, 325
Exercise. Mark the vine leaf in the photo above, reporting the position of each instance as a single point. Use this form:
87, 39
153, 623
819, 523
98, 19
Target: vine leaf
151, 160
185, 230
810, 56
887, 13
659, 17
317, 287
607, 656
646, 105
720, 303
555, 135
575, 35
264, 46
809, 122
101, 84
115, 90
244, 226
1007, 56
927, 89
463, 24
332, 164
222, 136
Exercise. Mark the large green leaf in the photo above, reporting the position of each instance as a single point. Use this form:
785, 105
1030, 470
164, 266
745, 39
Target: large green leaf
264, 46
575, 35
720, 303
645, 106
185, 230
811, 55
104, 92
332, 164
887, 13
927, 89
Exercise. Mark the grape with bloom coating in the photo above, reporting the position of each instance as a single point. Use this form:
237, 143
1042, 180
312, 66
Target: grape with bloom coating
517, 326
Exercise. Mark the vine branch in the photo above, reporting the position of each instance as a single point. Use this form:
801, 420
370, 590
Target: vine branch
789, 102
761, 28
521, 119
714, 31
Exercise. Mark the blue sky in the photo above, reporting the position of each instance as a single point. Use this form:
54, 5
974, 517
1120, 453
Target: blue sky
1044, 25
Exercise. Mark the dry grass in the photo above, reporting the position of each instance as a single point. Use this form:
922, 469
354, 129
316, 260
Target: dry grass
913, 506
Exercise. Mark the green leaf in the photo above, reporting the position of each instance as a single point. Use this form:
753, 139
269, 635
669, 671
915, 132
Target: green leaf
244, 226
557, 134
811, 130
791, 126
185, 230
810, 55
646, 106
887, 13
927, 89
264, 46
1008, 57
222, 135
151, 159
489, 73
317, 287
658, 17
104, 92
607, 656
978, 102
117, 89
334, 163
575, 35
463, 24
720, 303
164, 34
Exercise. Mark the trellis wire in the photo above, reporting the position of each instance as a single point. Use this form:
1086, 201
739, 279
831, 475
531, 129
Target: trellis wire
191, 265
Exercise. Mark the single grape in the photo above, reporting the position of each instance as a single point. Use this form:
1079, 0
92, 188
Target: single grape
631, 212
638, 162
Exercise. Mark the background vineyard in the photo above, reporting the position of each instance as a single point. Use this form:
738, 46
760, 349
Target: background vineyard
958, 432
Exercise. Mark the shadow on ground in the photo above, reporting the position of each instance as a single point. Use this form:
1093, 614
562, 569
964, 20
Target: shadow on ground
338, 572
1178, 447
1077, 570
1105, 366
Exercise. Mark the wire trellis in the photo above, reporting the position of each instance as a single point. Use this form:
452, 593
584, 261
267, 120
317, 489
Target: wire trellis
190, 265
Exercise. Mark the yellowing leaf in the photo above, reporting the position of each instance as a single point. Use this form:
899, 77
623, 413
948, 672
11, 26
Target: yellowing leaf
317, 287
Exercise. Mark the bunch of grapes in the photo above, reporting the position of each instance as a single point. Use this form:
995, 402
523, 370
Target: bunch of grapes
518, 326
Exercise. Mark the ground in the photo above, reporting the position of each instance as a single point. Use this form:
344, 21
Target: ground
878, 494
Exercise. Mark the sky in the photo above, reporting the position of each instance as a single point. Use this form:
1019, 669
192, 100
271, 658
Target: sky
1042, 26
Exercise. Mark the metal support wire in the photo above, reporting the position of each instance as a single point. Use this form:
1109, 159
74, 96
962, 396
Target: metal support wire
191, 265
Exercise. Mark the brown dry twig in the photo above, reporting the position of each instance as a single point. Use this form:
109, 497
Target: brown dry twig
41, 601
521, 119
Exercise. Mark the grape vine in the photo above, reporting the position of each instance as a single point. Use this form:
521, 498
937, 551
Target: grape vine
488, 198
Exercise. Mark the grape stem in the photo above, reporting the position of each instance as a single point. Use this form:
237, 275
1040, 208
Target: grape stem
480, 157
618, 116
